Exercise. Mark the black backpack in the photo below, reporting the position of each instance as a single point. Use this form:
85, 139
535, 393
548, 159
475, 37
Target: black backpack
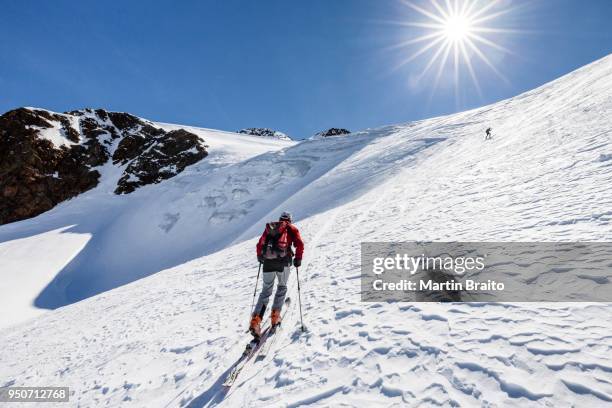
277, 240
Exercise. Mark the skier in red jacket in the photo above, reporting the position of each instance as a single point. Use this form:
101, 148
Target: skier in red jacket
274, 251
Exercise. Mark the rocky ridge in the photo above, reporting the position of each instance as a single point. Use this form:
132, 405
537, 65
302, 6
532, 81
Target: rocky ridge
48, 157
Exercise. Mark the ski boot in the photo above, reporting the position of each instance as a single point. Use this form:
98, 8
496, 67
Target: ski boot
275, 318
255, 326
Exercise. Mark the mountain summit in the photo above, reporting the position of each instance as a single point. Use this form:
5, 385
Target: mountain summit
265, 132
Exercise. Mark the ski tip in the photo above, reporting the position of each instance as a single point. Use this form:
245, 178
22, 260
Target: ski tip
229, 381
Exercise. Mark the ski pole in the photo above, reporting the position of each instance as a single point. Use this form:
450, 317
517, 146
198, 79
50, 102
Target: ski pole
297, 272
255, 291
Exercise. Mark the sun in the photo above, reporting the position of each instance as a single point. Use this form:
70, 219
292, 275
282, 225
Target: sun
456, 32
457, 28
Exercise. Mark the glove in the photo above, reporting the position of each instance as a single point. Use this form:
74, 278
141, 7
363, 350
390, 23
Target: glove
260, 258
297, 262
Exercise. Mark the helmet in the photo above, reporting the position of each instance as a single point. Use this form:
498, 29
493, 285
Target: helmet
285, 216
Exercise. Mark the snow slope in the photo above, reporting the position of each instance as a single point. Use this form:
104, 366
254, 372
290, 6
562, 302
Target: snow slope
168, 340
85, 246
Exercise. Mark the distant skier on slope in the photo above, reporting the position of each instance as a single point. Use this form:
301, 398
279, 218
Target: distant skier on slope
488, 134
274, 251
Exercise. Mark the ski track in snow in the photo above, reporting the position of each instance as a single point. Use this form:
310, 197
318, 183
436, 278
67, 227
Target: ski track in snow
170, 339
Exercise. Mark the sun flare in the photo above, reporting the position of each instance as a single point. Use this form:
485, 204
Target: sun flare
455, 34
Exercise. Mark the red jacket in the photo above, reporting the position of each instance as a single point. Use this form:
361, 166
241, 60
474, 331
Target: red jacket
294, 239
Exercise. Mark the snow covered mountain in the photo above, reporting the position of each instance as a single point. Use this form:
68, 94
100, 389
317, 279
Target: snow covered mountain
48, 157
100, 240
170, 338
265, 132
330, 132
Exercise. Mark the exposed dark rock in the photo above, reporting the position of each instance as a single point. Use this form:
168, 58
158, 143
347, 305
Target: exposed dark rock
35, 174
265, 132
46, 157
130, 147
165, 157
333, 132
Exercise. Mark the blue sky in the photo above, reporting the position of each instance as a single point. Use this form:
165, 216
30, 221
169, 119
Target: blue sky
298, 67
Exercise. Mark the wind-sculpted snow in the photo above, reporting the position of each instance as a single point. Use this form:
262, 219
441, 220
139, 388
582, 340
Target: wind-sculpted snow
169, 339
196, 214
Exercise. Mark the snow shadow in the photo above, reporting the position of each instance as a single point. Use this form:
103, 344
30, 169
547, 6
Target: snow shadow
213, 396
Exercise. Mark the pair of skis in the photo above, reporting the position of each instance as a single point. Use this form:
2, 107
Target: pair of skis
257, 349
